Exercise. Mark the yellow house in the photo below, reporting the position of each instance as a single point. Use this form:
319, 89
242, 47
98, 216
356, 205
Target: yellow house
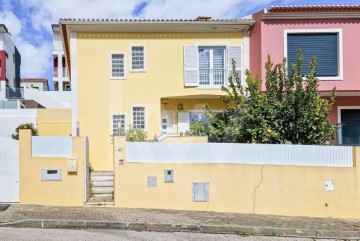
154, 75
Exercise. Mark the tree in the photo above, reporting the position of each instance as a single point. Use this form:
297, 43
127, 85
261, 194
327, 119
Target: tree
289, 110
29, 126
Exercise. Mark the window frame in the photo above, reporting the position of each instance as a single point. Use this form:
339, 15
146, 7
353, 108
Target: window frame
131, 60
211, 65
110, 62
339, 45
339, 109
145, 116
112, 121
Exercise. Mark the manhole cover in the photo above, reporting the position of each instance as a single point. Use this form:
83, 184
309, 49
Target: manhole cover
3, 207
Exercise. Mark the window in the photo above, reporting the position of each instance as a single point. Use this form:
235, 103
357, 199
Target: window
210, 66
137, 58
118, 125
117, 66
349, 132
198, 116
325, 46
200, 192
138, 117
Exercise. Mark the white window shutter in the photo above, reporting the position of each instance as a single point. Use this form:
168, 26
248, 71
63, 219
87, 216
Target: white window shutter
183, 122
234, 52
191, 66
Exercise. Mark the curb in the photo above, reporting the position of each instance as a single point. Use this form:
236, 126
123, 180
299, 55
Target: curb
156, 227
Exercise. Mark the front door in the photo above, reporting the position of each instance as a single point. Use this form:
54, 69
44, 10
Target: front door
167, 120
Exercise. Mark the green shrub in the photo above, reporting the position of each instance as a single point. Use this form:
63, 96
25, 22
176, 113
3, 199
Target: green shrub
29, 126
198, 128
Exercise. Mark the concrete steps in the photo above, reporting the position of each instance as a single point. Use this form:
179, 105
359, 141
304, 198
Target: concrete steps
102, 188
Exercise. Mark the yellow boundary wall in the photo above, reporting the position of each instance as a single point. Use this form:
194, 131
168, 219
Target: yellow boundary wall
261, 189
69, 191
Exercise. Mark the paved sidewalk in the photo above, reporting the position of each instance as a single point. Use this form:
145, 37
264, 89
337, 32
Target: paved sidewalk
173, 221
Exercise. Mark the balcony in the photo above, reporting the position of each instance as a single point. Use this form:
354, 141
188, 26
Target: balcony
348, 134
64, 72
211, 77
56, 72
17, 93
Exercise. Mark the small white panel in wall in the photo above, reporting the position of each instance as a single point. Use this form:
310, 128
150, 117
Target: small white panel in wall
200, 192
329, 185
72, 165
50, 174
151, 181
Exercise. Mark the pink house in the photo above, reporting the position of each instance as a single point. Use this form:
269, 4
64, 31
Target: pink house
332, 34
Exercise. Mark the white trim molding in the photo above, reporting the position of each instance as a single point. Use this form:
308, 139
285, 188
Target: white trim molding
74, 85
245, 65
110, 65
144, 48
340, 48
339, 108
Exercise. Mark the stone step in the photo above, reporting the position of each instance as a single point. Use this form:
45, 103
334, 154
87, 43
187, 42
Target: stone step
102, 183
101, 173
102, 190
101, 178
102, 195
100, 200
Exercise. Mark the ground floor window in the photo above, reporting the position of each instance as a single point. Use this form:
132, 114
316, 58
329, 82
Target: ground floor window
198, 116
138, 117
118, 124
349, 133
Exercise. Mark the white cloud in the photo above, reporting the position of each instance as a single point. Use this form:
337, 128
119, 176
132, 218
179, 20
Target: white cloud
48, 12
12, 23
35, 60
38, 15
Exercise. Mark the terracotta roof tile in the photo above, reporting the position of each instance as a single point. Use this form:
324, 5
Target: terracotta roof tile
314, 8
34, 80
198, 19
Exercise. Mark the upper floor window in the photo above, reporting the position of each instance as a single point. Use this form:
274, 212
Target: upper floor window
210, 66
137, 58
117, 66
325, 45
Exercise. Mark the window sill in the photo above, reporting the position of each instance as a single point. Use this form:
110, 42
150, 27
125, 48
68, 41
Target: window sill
117, 78
137, 71
330, 78
209, 87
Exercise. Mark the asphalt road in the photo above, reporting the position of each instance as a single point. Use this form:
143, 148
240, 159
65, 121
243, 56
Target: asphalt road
62, 234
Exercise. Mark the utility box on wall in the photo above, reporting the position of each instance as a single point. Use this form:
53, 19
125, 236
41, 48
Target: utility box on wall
50, 174
72, 165
169, 175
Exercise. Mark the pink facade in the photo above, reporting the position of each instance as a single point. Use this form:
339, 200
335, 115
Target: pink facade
272, 43
268, 35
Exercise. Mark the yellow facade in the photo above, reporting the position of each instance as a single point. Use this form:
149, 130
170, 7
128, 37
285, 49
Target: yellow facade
69, 191
159, 87
54, 122
261, 189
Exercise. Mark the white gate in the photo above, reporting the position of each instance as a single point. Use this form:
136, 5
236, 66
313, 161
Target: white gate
9, 170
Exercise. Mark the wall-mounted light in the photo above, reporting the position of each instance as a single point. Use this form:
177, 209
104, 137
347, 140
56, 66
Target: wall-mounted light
180, 106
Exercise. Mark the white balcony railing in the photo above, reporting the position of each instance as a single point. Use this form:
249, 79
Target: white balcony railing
211, 77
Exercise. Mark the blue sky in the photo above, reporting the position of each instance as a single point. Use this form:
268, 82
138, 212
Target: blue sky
29, 21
